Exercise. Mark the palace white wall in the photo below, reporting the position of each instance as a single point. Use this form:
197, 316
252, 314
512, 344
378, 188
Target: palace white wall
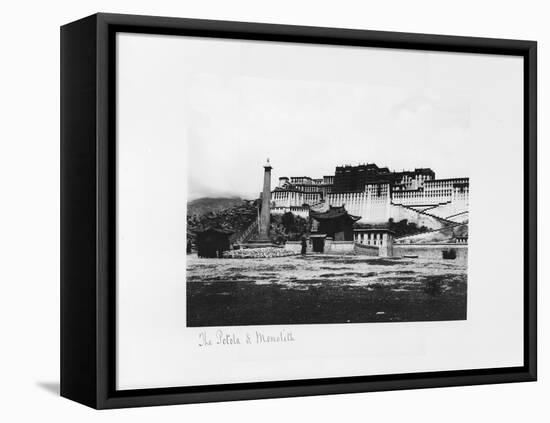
449, 210
377, 203
295, 210
373, 205
399, 213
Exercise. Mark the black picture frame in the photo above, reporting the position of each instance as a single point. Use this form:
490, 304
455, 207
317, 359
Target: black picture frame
88, 210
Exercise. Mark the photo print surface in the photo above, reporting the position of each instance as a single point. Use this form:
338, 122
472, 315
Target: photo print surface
324, 189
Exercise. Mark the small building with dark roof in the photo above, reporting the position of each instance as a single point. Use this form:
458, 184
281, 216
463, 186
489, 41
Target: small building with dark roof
212, 242
336, 223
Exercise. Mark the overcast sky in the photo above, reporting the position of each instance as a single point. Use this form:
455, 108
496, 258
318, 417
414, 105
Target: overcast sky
310, 108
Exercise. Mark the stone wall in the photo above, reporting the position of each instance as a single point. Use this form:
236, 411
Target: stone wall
399, 212
447, 235
339, 247
296, 246
431, 251
331, 247
366, 250
454, 208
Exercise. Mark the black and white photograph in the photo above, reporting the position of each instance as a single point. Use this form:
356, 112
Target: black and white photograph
360, 213
364, 244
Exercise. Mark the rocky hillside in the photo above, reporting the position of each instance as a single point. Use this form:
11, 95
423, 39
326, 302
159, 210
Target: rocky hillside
235, 218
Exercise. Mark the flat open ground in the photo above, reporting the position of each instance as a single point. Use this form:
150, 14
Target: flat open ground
323, 289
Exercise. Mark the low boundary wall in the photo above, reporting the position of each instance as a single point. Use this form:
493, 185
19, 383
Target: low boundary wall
339, 247
366, 250
432, 251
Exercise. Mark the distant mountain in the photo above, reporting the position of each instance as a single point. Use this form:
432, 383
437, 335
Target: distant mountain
202, 206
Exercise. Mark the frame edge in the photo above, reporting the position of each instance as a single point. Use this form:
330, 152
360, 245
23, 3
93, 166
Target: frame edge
78, 310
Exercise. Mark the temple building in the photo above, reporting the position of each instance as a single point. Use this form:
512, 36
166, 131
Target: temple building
332, 231
354, 178
335, 223
377, 194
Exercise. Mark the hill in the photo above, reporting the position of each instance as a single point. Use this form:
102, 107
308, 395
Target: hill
233, 218
205, 205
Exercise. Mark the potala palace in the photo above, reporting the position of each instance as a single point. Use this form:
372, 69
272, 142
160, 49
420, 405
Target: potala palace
377, 194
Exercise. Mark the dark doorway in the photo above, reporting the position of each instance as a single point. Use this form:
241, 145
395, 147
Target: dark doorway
449, 254
318, 244
212, 242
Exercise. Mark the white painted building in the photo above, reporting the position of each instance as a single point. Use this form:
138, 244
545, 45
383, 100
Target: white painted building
413, 195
